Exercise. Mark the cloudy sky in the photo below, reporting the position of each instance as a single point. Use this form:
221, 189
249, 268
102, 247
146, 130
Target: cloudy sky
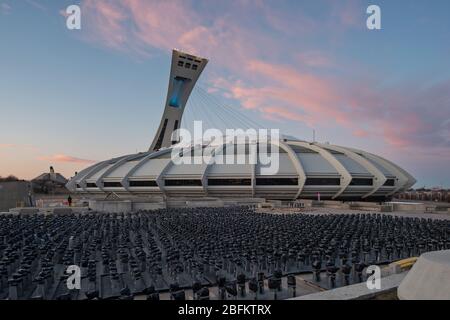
72, 97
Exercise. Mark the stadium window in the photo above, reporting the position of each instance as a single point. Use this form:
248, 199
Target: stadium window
194, 67
333, 151
299, 149
78, 186
182, 57
187, 65
112, 184
269, 148
229, 182
361, 182
183, 183
91, 185
276, 181
180, 63
143, 183
322, 182
389, 183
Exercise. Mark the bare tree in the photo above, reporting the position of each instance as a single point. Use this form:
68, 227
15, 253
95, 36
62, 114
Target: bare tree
9, 178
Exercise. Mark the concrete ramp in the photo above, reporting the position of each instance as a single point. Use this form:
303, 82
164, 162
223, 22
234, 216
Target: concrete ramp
429, 278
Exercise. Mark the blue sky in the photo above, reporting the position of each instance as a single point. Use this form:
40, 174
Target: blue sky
71, 97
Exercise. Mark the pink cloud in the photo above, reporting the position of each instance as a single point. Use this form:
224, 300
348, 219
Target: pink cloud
401, 116
65, 158
314, 59
63, 13
312, 97
109, 18
140, 27
294, 22
360, 133
277, 113
350, 13
7, 145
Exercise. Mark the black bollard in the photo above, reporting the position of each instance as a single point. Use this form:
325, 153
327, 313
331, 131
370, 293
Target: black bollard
241, 282
292, 284
253, 287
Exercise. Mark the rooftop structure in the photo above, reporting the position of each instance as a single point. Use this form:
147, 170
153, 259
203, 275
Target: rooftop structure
49, 182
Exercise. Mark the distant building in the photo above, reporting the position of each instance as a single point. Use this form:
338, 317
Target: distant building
435, 194
50, 183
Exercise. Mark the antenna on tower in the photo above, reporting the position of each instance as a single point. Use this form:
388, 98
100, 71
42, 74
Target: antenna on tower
314, 135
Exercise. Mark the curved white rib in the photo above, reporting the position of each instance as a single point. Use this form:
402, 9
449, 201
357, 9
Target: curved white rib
151, 155
402, 179
411, 180
159, 178
379, 177
98, 182
204, 177
298, 167
346, 177
94, 171
72, 184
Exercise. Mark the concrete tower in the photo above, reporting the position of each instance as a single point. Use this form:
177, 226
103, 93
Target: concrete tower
184, 73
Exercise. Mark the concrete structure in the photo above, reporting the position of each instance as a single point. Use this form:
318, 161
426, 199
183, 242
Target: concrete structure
184, 73
142, 203
50, 183
358, 291
14, 194
429, 278
306, 169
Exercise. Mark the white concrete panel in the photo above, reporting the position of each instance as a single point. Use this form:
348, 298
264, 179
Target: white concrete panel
314, 163
286, 166
351, 165
151, 168
96, 175
230, 170
380, 167
187, 169
122, 170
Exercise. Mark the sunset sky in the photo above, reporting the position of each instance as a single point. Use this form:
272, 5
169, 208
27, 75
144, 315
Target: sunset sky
69, 98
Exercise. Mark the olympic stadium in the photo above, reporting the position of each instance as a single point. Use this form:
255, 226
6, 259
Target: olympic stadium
306, 169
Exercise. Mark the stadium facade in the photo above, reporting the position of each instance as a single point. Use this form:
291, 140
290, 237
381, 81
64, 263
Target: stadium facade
306, 169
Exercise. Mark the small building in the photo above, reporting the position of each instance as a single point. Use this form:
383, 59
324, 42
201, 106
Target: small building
50, 183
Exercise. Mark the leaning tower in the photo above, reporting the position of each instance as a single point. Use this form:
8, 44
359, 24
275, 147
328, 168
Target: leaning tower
184, 73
